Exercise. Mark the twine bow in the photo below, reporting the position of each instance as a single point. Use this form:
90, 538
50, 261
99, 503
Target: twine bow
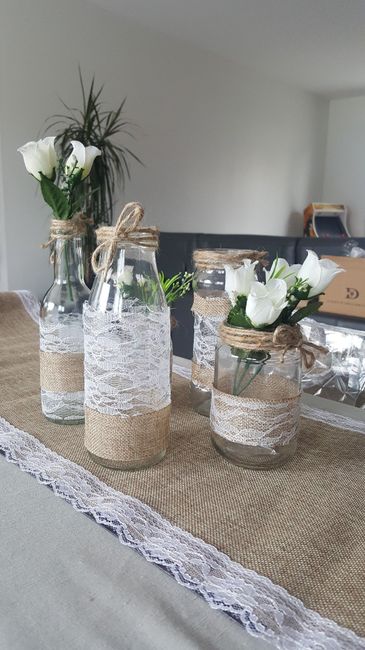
284, 338
289, 336
126, 230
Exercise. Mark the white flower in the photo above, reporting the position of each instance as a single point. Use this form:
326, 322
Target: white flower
318, 273
239, 281
265, 302
126, 277
81, 158
40, 157
280, 269
141, 280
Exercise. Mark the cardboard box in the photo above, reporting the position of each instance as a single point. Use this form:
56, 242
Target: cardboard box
345, 295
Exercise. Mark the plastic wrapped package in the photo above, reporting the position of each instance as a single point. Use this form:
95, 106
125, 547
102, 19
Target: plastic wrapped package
339, 374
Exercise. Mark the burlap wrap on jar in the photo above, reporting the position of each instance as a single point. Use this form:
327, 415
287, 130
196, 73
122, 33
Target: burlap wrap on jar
266, 414
211, 310
127, 362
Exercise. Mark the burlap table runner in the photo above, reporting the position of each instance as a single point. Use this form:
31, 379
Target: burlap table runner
302, 525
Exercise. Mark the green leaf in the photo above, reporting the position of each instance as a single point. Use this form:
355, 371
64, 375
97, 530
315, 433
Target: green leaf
55, 198
308, 310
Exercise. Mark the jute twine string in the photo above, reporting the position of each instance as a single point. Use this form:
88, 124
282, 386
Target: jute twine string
283, 338
126, 230
218, 258
65, 229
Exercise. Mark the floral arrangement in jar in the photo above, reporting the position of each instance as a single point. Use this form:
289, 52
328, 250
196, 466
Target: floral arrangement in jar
256, 391
61, 333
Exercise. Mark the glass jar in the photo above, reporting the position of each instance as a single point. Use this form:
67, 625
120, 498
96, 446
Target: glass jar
61, 334
211, 306
256, 405
127, 361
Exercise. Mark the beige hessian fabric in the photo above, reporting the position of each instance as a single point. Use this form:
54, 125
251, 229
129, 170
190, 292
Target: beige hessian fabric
119, 439
302, 525
61, 372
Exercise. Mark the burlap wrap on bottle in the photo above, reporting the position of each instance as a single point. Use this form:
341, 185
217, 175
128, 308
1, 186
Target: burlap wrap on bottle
211, 311
61, 359
127, 387
61, 339
62, 372
209, 314
267, 413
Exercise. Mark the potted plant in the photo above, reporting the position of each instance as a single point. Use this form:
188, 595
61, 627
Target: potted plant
93, 124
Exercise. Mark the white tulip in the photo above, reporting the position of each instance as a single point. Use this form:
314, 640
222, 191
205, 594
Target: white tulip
238, 281
265, 302
318, 273
40, 157
81, 158
126, 277
280, 269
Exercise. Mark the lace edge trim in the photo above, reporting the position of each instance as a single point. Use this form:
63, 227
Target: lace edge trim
263, 608
30, 304
333, 419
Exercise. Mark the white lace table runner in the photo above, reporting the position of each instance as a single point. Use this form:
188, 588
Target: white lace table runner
263, 608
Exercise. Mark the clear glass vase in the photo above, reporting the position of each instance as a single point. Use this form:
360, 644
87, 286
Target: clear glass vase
61, 335
127, 362
211, 306
256, 405
209, 286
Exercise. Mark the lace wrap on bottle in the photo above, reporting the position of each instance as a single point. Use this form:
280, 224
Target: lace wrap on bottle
209, 314
127, 383
62, 368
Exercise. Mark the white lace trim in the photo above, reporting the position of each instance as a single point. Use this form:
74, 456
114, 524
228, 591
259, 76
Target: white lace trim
127, 361
30, 304
62, 334
253, 422
333, 419
65, 407
206, 330
263, 608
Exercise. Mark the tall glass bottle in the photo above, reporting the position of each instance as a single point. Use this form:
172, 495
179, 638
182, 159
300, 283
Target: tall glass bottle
211, 306
127, 360
61, 334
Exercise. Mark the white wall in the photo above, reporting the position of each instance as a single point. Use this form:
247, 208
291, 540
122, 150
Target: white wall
344, 179
225, 151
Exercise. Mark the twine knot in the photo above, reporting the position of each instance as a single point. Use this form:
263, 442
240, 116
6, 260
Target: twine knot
127, 230
283, 338
65, 229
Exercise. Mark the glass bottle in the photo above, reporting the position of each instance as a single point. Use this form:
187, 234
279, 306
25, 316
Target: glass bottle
61, 335
256, 405
127, 362
211, 306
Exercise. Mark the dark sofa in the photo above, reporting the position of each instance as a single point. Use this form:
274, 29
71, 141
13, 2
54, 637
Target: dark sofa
175, 254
